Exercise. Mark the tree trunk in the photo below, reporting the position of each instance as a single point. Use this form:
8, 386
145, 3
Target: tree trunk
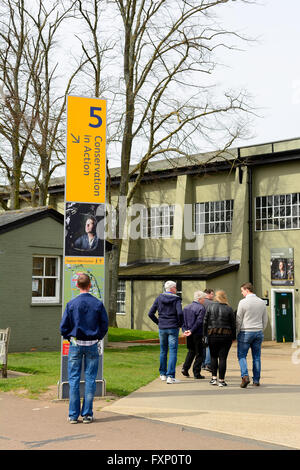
113, 283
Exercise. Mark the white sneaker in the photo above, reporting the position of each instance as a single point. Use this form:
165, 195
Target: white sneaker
171, 380
163, 377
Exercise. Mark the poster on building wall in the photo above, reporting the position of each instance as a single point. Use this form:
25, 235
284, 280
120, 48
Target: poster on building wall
84, 244
282, 266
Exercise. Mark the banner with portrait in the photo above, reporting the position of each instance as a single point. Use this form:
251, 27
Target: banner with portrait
282, 266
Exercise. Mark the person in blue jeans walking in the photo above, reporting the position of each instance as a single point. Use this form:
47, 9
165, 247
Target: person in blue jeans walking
84, 323
170, 319
251, 320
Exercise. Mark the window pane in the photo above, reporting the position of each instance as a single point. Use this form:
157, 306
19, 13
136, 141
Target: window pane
37, 287
121, 296
38, 266
50, 268
49, 287
264, 224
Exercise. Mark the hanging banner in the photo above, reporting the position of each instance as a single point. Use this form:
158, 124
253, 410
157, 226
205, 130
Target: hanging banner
86, 148
282, 266
84, 244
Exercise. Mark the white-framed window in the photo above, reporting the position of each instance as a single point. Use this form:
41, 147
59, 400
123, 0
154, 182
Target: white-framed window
45, 279
213, 217
121, 297
279, 212
158, 221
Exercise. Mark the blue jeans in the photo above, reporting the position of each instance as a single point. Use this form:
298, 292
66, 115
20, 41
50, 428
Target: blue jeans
207, 359
89, 355
168, 338
253, 340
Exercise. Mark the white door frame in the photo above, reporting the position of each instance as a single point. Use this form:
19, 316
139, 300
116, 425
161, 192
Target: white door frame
273, 318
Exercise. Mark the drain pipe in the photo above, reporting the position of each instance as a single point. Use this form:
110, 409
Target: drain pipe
250, 223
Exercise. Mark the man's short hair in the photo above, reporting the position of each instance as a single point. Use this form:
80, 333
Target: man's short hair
209, 291
90, 217
199, 295
83, 281
247, 286
169, 285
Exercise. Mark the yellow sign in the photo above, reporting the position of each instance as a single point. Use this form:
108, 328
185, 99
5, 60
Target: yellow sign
85, 260
86, 142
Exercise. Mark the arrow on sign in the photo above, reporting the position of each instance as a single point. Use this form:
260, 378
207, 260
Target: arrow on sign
76, 139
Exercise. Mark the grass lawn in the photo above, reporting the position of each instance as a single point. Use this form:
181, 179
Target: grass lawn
124, 334
125, 370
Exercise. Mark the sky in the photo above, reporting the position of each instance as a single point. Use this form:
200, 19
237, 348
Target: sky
268, 68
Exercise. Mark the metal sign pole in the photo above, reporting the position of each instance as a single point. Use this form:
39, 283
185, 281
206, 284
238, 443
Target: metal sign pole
85, 188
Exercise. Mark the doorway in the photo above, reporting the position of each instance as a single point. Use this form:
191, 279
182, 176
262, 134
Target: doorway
283, 303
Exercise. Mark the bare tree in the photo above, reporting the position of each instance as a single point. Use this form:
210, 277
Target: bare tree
16, 92
48, 137
33, 95
165, 101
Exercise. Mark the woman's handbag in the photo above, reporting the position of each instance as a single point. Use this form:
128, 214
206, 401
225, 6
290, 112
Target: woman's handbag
204, 341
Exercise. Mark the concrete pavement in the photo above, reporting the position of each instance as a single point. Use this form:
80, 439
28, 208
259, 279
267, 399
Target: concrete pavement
269, 413
188, 415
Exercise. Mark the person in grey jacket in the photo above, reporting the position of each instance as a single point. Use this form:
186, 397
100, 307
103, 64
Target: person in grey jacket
251, 320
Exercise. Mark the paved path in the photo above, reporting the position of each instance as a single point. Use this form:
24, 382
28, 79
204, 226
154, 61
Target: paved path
269, 413
185, 416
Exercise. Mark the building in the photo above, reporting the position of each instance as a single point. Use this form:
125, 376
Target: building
245, 210
31, 248
214, 221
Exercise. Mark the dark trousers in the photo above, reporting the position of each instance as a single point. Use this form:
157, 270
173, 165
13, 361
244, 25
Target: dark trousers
219, 346
195, 351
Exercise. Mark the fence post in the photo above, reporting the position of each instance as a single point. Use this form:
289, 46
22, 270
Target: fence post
4, 341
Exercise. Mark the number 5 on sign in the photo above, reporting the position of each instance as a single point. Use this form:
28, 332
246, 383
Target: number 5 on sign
93, 114
86, 150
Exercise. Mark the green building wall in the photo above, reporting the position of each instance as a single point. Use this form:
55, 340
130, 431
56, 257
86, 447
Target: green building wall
33, 326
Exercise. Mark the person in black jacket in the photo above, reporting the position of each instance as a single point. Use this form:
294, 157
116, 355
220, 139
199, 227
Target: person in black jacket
219, 327
169, 321
192, 328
